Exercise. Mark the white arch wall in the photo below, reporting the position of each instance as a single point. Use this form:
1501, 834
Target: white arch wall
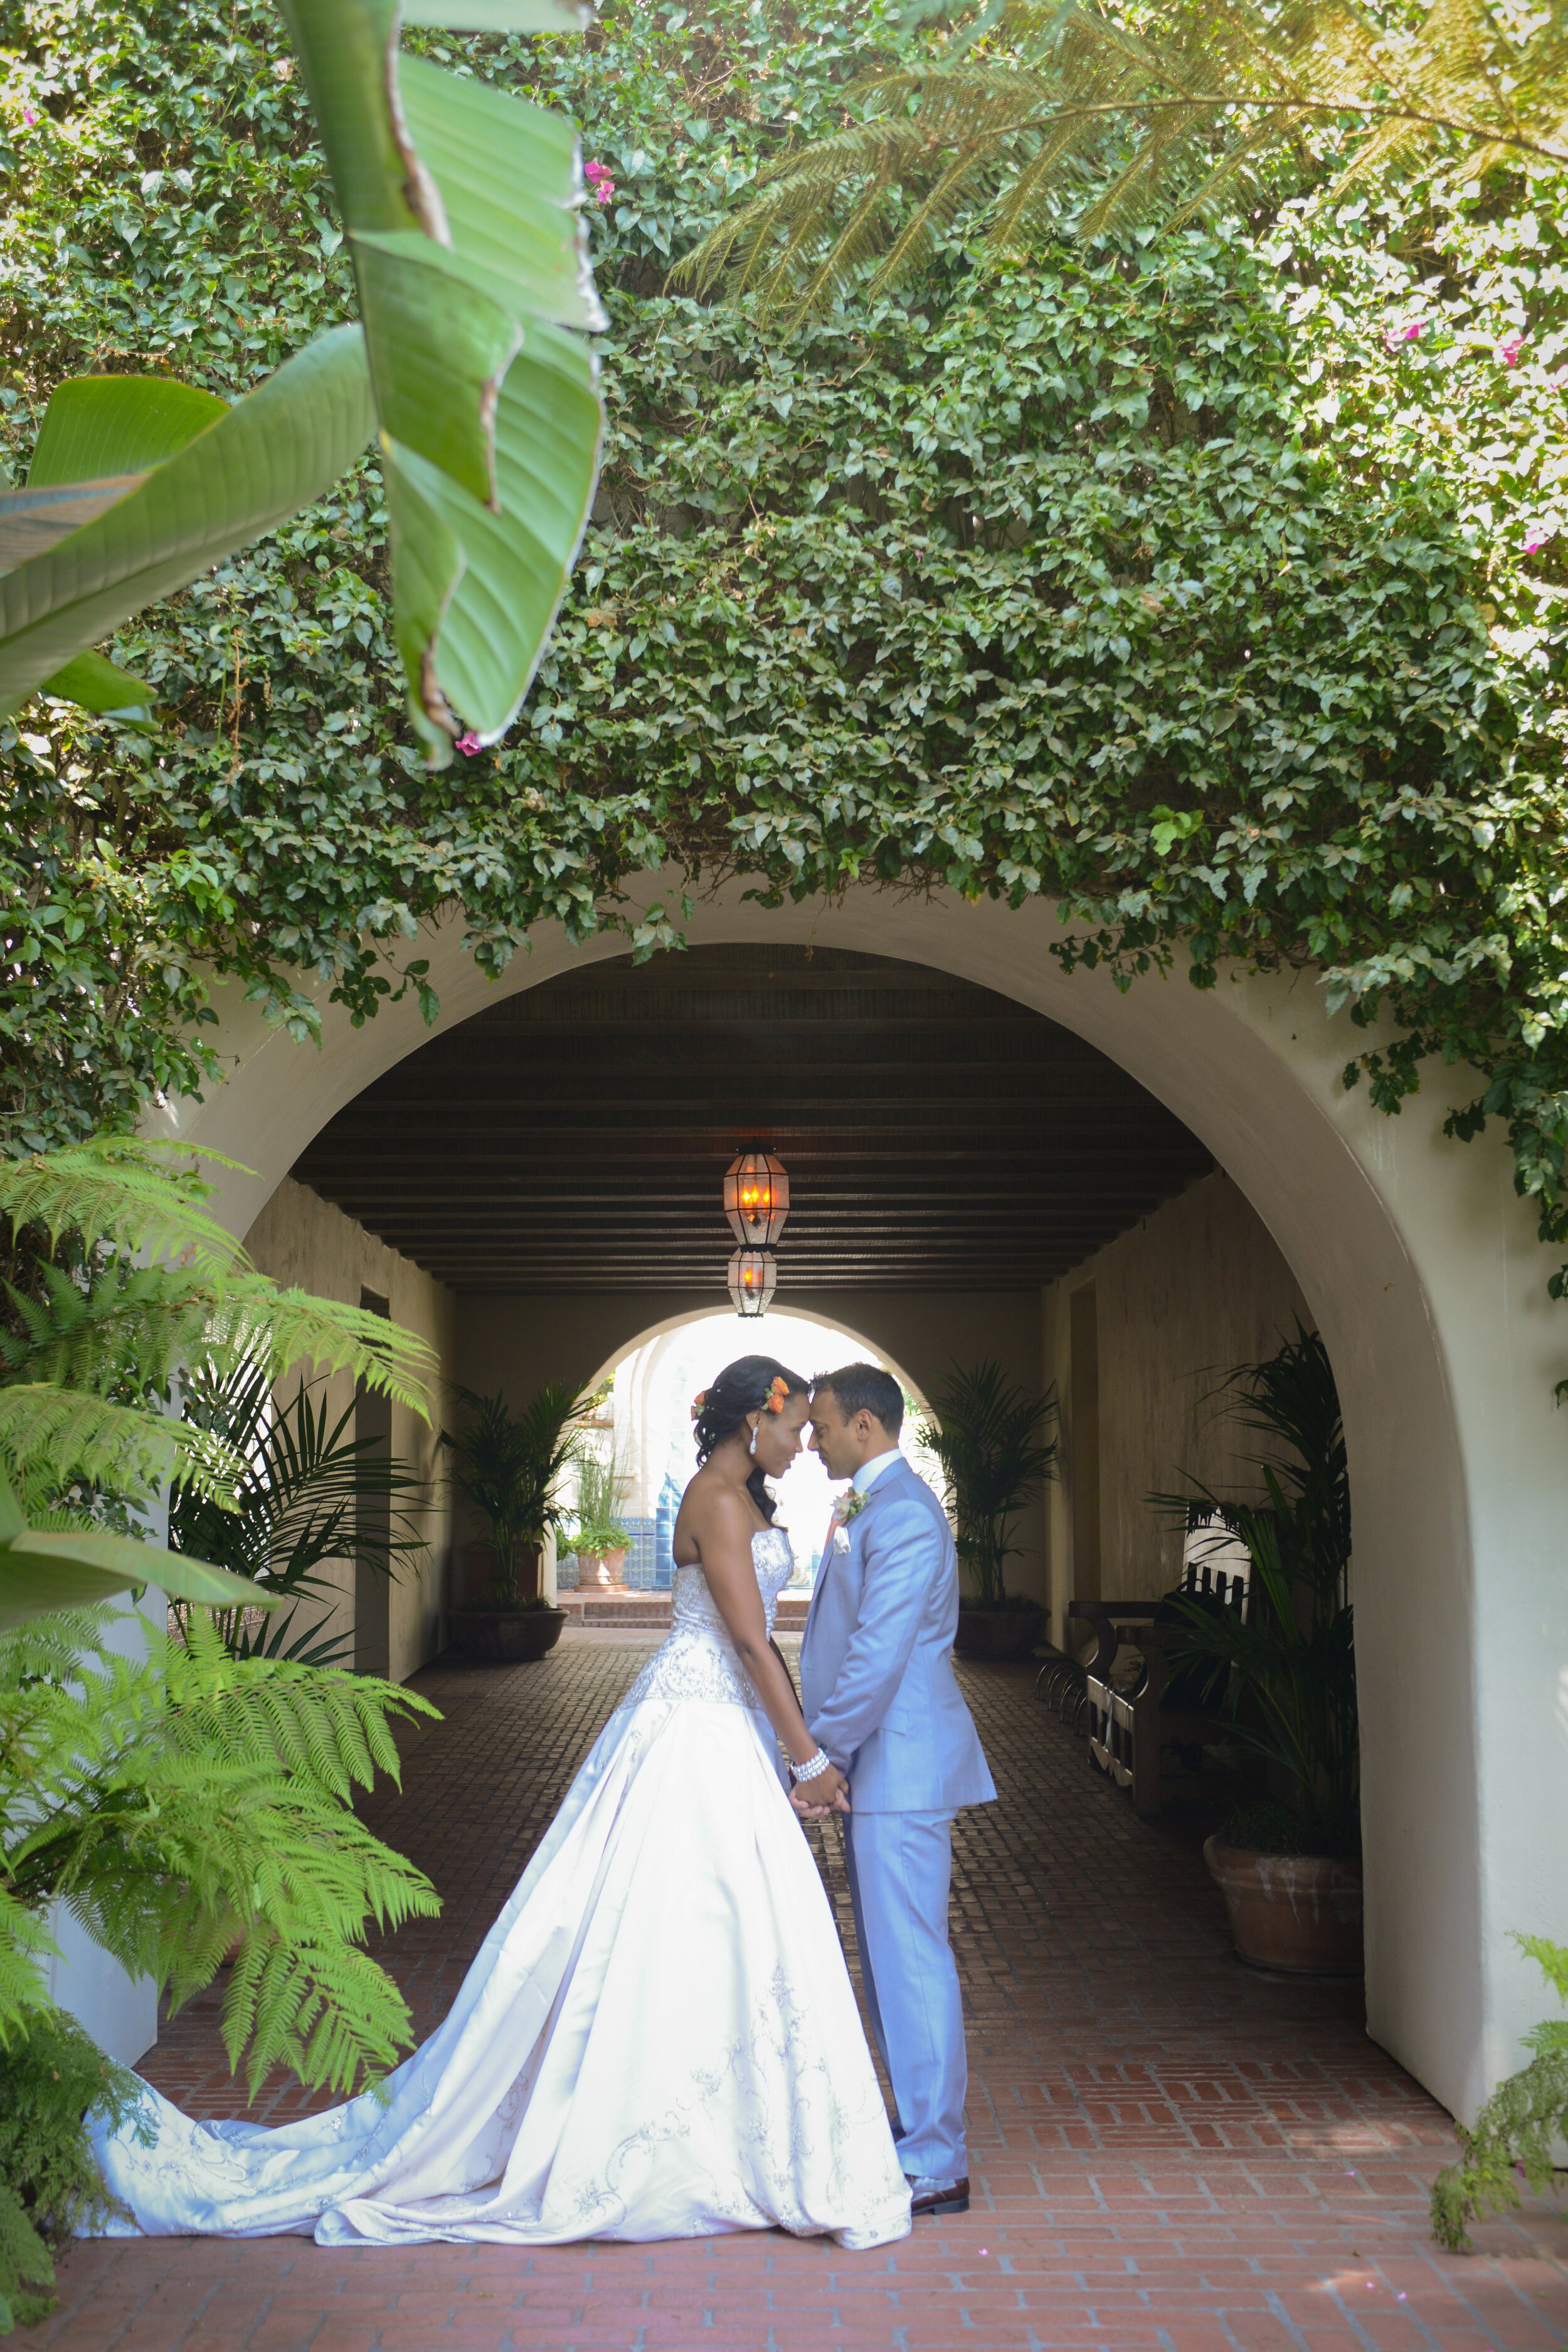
1421, 1266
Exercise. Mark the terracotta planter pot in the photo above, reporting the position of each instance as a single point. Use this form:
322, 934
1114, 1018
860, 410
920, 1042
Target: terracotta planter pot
603, 1568
1298, 1912
998, 1632
505, 1636
478, 1569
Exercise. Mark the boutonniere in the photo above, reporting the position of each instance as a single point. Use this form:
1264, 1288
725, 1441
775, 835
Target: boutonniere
849, 1505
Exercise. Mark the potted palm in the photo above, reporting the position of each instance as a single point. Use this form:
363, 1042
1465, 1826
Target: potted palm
1290, 1867
303, 1502
990, 1438
509, 1469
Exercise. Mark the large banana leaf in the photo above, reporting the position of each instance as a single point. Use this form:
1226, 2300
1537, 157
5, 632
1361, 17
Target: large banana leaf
463, 210
40, 1571
184, 480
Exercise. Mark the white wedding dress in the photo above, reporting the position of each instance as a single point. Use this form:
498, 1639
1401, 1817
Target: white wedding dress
657, 2039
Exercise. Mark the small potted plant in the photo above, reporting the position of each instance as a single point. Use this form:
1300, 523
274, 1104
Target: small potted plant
601, 1543
1289, 1866
508, 1470
990, 1438
601, 1547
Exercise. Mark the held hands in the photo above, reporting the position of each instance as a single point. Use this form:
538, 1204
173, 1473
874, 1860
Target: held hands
824, 1793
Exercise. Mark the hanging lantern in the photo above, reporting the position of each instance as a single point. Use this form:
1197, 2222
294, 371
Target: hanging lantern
756, 1198
752, 1276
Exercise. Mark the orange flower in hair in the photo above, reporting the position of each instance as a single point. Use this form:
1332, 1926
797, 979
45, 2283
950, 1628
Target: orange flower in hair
777, 1393
698, 1401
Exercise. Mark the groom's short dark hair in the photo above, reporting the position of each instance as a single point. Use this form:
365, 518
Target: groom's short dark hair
865, 1388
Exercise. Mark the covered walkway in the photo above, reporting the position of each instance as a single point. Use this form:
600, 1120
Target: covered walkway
1171, 2154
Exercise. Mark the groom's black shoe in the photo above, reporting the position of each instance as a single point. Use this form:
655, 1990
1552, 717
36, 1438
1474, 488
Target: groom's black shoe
937, 2197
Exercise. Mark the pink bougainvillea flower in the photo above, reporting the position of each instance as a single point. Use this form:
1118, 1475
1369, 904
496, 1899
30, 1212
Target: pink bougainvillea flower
29, 115
597, 175
470, 743
1509, 350
1410, 332
1532, 539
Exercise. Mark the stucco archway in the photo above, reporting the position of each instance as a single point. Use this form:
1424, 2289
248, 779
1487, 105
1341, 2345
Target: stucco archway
1421, 1266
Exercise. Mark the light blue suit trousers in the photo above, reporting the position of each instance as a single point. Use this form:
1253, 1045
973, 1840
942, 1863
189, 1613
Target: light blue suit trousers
877, 1681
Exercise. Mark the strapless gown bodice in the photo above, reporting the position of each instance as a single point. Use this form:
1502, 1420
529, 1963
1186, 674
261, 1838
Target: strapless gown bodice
698, 1661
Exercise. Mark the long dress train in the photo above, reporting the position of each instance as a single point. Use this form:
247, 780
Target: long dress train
658, 2038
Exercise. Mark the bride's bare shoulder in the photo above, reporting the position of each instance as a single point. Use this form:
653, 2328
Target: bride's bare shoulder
715, 1508
714, 1499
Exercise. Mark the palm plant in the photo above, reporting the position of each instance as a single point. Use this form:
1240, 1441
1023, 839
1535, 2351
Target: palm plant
1287, 1669
306, 1485
1045, 110
510, 1469
989, 1437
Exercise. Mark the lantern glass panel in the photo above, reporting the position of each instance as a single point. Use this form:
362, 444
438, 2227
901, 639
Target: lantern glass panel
756, 1198
752, 1276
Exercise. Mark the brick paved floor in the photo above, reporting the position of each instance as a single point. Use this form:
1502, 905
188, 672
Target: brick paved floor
1171, 2153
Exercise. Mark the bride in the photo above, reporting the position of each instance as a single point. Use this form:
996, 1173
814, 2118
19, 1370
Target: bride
658, 2038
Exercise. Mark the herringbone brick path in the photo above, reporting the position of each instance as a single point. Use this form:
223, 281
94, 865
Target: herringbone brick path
1171, 2154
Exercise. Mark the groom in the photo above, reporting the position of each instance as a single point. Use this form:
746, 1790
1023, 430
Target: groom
877, 1688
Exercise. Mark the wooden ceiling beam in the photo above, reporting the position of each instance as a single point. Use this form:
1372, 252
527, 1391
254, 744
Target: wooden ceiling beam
939, 1136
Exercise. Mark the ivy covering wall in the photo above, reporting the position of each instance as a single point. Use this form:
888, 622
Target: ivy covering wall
1208, 586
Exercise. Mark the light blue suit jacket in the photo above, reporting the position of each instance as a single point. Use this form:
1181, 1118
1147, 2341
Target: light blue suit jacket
876, 1661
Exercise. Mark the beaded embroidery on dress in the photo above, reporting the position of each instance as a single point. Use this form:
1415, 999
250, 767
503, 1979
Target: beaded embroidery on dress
699, 1659
658, 2038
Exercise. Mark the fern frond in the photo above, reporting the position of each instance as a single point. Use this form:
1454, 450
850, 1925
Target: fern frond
25, 1946
1513, 2136
331, 1727
327, 2012
27, 2267
141, 1195
51, 2084
64, 1437
292, 1326
1517, 2129
172, 1804
142, 1323
1551, 1959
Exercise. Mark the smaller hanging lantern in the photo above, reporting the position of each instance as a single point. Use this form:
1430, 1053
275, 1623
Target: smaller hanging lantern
756, 1198
752, 1276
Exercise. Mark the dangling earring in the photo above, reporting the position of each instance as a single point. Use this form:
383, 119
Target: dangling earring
754, 1445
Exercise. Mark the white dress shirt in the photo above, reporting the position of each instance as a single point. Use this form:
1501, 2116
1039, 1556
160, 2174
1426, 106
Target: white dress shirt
869, 1472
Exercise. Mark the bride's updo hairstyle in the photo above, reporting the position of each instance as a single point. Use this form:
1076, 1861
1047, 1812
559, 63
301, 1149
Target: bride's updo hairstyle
740, 1390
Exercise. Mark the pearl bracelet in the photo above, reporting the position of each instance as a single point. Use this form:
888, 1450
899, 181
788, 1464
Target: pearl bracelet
821, 1762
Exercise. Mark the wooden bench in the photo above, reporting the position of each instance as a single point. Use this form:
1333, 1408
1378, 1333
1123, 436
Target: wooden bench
1131, 1734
